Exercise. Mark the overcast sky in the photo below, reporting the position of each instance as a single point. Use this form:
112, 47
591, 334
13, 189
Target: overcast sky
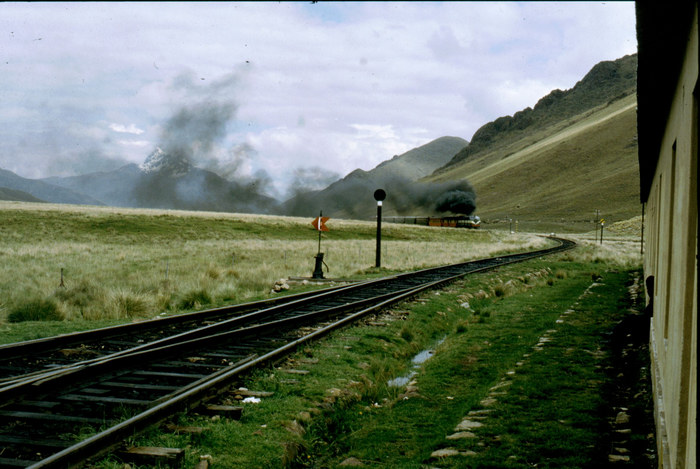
313, 88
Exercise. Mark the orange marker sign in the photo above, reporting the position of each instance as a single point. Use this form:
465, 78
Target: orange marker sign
320, 223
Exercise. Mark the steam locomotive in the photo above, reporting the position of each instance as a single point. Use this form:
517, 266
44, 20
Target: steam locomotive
471, 221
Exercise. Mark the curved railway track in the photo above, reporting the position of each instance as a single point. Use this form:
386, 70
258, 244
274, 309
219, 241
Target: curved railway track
168, 366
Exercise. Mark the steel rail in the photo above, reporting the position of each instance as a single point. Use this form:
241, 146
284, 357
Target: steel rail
46, 344
201, 332
79, 337
83, 371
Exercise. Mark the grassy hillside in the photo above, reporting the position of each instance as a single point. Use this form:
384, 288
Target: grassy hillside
555, 178
606, 82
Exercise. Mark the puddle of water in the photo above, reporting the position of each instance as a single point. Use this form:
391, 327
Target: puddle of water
418, 360
401, 381
422, 357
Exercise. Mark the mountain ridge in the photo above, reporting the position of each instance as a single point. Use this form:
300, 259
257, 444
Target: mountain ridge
606, 82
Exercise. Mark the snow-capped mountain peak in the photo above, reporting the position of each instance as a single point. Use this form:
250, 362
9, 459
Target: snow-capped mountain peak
170, 163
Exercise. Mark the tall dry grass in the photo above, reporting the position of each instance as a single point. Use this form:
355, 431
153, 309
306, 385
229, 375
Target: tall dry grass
623, 252
129, 264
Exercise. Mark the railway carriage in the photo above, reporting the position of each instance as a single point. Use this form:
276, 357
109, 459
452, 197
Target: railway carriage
471, 221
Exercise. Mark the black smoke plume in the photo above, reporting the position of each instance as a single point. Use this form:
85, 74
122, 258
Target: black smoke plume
192, 131
457, 201
352, 197
191, 169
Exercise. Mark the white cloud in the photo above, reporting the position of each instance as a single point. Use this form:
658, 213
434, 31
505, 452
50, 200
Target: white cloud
130, 129
336, 85
135, 143
368, 131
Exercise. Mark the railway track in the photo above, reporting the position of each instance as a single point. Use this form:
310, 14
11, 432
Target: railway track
25, 360
62, 413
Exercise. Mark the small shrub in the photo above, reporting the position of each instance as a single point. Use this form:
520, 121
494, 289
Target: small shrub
550, 281
82, 296
380, 370
36, 310
129, 305
163, 301
195, 299
228, 295
406, 335
499, 290
561, 274
213, 272
461, 327
481, 315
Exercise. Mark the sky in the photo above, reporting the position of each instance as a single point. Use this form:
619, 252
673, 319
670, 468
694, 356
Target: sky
288, 92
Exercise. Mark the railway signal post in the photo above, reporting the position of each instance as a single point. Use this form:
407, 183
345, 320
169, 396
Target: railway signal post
379, 196
320, 224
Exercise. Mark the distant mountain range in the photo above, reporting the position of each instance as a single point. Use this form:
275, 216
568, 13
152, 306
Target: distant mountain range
542, 162
167, 181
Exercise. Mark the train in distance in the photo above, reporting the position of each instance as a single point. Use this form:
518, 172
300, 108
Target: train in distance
471, 221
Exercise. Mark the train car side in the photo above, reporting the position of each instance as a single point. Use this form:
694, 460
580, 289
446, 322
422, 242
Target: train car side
471, 222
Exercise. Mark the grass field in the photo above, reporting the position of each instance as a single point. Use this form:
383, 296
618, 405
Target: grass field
67, 267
